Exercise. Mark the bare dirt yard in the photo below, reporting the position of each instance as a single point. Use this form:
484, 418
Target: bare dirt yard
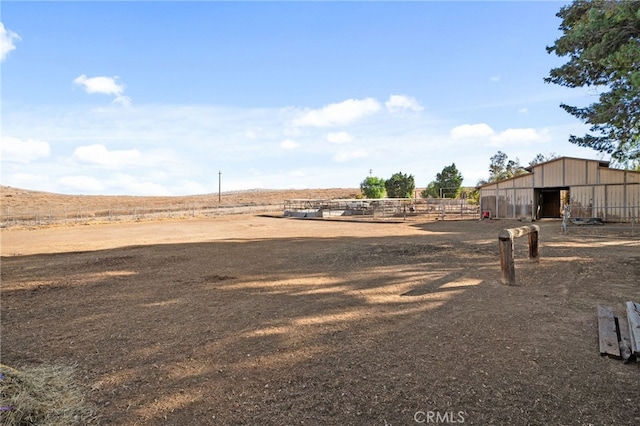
253, 320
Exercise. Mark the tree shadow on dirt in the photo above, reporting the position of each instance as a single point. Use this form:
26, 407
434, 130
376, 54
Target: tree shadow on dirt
434, 285
294, 330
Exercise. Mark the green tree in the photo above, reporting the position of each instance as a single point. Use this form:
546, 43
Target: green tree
373, 187
498, 166
447, 184
602, 42
472, 195
502, 168
541, 158
431, 191
400, 186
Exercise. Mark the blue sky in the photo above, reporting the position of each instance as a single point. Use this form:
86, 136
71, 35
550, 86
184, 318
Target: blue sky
155, 98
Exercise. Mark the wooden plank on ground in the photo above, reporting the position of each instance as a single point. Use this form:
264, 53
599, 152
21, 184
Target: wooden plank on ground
633, 315
624, 340
607, 332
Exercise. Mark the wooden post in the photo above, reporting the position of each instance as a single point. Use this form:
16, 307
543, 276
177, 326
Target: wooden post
533, 246
507, 262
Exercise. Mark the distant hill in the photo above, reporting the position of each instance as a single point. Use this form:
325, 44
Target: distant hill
21, 199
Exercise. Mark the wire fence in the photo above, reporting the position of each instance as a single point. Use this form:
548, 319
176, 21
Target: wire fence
40, 216
623, 214
627, 218
432, 208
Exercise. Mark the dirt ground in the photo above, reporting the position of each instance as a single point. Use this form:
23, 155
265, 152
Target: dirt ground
251, 320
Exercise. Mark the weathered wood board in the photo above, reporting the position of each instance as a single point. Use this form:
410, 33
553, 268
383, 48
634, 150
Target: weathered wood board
624, 340
608, 336
633, 315
518, 232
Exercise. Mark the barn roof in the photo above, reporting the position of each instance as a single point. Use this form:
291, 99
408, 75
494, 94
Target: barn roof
603, 164
531, 169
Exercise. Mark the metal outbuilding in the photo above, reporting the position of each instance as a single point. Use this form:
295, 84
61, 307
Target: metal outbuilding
588, 188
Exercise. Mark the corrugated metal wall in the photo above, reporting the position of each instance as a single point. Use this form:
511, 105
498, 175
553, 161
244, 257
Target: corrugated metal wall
512, 198
582, 200
633, 200
565, 172
614, 202
594, 190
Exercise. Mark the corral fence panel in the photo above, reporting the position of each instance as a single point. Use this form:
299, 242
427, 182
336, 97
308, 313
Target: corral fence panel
382, 208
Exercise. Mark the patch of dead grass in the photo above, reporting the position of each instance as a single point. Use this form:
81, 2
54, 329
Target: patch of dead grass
47, 395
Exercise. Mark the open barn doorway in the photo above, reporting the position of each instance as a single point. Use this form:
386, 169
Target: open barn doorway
550, 202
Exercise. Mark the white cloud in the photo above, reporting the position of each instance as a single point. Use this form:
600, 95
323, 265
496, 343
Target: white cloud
342, 156
136, 185
119, 183
523, 110
340, 113
516, 136
99, 155
40, 182
465, 131
191, 187
495, 78
7, 41
508, 136
179, 149
397, 103
289, 144
297, 173
23, 151
339, 137
104, 85
85, 184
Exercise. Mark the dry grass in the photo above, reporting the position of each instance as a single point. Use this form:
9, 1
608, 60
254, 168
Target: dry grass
47, 395
20, 207
16, 198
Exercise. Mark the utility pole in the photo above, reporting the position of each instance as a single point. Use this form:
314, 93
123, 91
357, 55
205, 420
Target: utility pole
219, 186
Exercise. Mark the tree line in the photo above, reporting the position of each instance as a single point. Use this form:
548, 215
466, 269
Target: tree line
399, 185
447, 183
